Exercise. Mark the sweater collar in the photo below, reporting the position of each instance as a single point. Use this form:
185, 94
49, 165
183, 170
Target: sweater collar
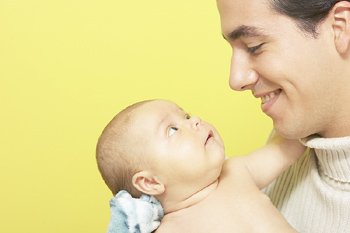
333, 156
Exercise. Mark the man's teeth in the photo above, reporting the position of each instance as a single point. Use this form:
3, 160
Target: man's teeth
267, 97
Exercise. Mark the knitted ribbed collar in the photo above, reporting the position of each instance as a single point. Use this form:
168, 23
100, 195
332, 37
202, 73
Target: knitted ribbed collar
333, 156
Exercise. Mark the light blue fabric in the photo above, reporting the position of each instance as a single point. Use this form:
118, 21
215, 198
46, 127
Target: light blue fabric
134, 215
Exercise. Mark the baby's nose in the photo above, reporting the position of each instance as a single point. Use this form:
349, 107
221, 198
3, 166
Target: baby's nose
196, 122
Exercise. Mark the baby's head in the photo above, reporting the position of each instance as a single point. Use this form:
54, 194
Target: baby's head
156, 148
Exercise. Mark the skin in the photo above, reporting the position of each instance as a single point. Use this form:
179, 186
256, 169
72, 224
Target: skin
177, 142
188, 173
303, 81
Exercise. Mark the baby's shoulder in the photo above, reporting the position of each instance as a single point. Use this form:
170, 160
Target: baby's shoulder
234, 164
235, 170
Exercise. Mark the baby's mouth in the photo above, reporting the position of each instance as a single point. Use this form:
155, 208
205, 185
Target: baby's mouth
210, 135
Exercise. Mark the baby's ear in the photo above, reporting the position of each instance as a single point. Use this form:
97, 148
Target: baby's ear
147, 183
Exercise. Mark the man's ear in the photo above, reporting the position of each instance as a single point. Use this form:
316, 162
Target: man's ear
341, 26
147, 183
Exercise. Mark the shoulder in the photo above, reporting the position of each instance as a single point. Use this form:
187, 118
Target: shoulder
234, 164
235, 170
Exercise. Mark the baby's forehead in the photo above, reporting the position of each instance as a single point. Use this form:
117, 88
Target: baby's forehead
153, 112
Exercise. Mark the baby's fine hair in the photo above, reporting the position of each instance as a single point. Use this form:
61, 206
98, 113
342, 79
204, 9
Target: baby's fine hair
118, 161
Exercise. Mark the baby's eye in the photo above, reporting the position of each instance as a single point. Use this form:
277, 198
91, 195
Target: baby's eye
187, 116
172, 130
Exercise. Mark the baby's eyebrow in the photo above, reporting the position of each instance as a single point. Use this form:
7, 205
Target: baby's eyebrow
244, 31
162, 120
183, 111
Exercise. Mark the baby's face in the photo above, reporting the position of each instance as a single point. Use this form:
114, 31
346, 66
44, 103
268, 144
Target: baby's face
183, 148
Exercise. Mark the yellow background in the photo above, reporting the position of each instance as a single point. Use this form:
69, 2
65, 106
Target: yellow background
66, 67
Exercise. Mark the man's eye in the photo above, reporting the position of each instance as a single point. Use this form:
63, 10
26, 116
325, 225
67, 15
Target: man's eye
254, 49
172, 130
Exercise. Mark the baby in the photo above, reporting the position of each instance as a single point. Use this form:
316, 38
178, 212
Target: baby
154, 147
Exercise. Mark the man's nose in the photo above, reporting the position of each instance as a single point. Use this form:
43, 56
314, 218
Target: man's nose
242, 75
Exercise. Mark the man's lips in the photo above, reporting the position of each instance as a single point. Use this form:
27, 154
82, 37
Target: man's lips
210, 135
266, 97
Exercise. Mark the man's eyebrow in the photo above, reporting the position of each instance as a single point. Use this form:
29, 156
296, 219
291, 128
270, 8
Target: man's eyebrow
244, 31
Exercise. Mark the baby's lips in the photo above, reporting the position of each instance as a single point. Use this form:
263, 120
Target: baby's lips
210, 135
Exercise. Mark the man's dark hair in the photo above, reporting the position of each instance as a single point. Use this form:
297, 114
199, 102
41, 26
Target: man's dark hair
306, 13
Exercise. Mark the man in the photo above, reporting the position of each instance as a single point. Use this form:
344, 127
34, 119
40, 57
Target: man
295, 56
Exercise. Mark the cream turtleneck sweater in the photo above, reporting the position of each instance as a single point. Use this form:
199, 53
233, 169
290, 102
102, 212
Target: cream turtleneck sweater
314, 193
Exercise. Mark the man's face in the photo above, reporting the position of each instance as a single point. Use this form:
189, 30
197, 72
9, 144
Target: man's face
183, 149
288, 69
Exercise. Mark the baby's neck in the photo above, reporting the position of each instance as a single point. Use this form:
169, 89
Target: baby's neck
175, 207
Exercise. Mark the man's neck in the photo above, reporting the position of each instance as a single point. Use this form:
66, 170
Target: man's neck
174, 207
